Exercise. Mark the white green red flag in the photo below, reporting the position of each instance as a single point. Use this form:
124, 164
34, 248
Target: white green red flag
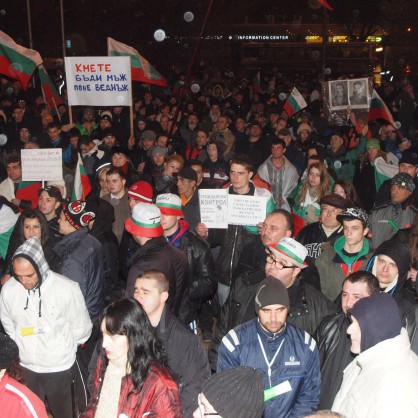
16, 61
294, 103
82, 185
49, 91
379, 110
141, 69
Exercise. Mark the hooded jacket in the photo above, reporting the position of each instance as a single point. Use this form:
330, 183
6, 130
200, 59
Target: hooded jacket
406, 303
47, 322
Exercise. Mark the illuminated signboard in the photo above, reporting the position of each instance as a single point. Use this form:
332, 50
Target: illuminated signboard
259, 37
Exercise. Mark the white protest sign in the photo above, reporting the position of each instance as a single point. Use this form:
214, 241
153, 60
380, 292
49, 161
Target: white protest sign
98, 81
246, 210
213, 207
41, 164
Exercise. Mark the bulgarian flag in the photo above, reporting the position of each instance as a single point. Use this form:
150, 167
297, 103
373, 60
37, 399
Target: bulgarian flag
294, 103
82, 186
383, 171
49, 91
142, 70
17, 61
379, 110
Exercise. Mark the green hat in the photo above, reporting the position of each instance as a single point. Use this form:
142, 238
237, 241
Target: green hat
373, 143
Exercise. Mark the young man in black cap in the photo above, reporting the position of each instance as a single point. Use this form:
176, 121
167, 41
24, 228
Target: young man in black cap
328, 229
287, 356
397, 214
381, 381
186, 184
50, 201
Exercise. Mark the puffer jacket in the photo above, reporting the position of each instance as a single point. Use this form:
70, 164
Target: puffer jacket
82, 260
202, 283
158, 397
295, 371
307, 307
158, 254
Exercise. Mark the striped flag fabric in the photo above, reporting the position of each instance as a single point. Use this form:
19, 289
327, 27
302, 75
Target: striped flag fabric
142, 70
82, 185
17, 61
49, 91
379, 110
294, 103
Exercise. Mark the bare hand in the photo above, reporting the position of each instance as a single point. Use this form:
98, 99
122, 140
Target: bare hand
141, 167
202, 230
365, 129
16, 202
412, 274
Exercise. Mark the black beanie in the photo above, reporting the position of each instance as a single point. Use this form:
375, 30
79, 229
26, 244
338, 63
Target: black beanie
379, 319
236, 392
271, 291
8, 351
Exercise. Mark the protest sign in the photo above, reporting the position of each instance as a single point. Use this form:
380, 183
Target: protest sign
41, 164
98, 81
246, 210
213, 207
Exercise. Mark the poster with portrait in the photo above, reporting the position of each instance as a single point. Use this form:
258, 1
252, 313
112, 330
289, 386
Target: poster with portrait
358, 97
338, 94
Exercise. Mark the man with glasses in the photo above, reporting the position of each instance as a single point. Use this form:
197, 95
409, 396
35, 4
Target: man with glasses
328, 229
285, 262
286, 355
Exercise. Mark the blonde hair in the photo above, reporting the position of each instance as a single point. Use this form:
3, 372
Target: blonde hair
323, 187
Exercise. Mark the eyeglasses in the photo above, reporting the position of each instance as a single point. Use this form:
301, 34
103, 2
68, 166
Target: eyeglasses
202, 408
277, 263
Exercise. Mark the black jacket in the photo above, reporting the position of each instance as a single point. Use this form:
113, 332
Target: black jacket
202, 282
307, 307
158, 254
186, 359
334, 347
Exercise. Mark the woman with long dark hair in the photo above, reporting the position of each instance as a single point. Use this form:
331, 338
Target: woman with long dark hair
131, 374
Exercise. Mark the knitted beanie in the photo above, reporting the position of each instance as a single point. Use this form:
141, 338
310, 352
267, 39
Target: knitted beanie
236, 392
379, 319
271, 291
8, 351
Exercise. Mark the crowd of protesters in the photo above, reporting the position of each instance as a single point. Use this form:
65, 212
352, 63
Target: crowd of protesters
123, 303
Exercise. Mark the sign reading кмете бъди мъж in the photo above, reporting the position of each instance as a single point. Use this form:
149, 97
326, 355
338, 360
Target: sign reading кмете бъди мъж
98, 81
41, 164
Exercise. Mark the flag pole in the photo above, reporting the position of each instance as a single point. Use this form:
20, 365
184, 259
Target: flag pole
189, 70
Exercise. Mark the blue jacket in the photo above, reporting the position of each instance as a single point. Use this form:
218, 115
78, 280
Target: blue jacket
295, 369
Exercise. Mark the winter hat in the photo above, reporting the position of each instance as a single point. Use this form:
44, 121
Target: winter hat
409, 158
379, 319
9, 351
236, 392
169, 204
106, 117
159, 150
145, 221
403, 180
373, 143
141, 191
354, 213
334, 200
187, 173
271, 291
304, 127
77, 215
290, 250
148, 134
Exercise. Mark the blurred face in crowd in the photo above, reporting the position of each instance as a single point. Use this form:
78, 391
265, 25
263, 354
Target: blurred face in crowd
47, 205
277, 151
353, 292
336, 143
185, 186
25, 272
272, 317
386, 270
119, 159
274, 228
213, 152
162, 141
354, 231
18, 115
409, 169
354, 332
104, 123
88, 116
109, 141
240, 125
102, 181
329, 216
399, 194
314, 177
158, 159
172, 167
222, 123
24, 134
169, 223
280, 268
340, 191
54, 134
240, 177
373, 153
115, 183
14, 172
199, 171
32, 228
201, 139
115, 346
192, 121
147, 143
141, 125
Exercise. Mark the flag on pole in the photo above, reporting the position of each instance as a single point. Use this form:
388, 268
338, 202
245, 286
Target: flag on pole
379, 110
325, 4
82, 186
49, 91
142, 70
294, 102
17, 61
